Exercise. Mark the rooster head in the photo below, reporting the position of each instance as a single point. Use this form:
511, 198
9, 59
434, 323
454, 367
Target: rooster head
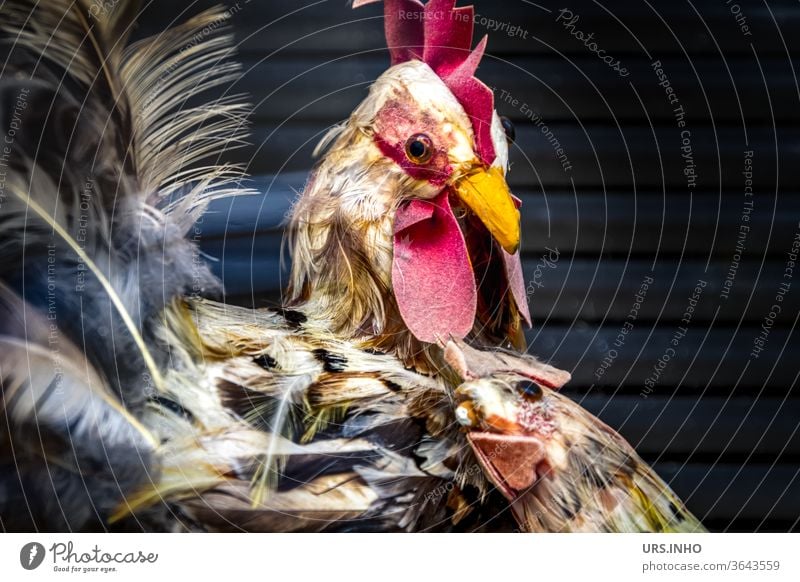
408, 215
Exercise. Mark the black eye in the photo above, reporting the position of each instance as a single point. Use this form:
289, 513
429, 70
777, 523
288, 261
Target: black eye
508, 126
530, 389
419, 148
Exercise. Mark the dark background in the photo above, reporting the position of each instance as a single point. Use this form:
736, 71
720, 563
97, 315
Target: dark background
719, 424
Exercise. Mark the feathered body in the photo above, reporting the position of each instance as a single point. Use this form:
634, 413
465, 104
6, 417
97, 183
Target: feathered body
130, 402
302, 415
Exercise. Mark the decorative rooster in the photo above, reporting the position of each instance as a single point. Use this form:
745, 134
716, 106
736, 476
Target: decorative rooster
384, 395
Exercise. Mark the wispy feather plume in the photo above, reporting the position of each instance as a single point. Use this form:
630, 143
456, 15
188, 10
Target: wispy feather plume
112, 162
60, 417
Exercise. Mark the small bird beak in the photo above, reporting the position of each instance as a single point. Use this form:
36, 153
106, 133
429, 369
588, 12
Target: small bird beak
486, 193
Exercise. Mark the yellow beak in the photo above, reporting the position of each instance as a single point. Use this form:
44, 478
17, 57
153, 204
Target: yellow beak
486, 193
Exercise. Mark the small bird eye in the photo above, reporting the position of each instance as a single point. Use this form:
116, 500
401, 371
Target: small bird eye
530, 389
508, 126
419, 148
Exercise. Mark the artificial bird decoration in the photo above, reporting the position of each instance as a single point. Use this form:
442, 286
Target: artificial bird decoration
385, 394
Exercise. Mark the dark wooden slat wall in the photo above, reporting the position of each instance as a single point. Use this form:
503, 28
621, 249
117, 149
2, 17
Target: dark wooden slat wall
720, 424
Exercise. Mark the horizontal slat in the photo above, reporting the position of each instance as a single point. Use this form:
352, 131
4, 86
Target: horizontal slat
788, 524
264, 212
327, 88
247, 282
597, 156
611, 290
726, 492
718, 359
655, 223
330, 26
711, 426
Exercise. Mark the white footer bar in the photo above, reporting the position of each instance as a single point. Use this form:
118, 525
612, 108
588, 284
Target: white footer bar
401, 557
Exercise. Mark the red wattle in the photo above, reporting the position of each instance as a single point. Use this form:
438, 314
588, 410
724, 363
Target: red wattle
432, 275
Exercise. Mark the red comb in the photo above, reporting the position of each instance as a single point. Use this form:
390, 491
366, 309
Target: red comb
440, 34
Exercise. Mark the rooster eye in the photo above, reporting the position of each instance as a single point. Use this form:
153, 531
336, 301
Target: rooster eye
419, 148
508, 126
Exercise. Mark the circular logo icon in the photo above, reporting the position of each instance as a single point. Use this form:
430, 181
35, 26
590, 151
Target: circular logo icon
31, 555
